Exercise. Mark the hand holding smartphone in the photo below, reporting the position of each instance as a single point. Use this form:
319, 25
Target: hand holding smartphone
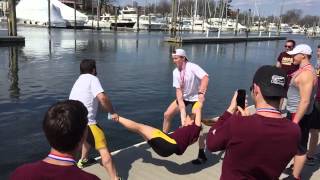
241, 98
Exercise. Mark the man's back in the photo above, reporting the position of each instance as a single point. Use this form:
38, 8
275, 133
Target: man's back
85, 89
257, 147
41, 170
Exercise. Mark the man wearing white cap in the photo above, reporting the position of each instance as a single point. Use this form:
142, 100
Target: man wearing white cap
301, 96
191, 83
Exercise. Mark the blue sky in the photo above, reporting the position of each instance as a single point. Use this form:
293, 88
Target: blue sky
264, 7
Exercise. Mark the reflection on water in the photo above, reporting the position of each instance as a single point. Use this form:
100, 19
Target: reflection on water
13, 73
135, 69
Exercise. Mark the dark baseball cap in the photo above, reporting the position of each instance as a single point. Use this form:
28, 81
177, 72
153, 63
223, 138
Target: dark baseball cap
271, 80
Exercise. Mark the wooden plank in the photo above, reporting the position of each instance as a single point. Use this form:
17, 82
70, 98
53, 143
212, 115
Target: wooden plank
11, 40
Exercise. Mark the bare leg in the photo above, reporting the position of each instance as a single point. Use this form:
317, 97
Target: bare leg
201, 155
168, 115
202, 139
313, 141
144, 130
85, 150
299, 161
107, 163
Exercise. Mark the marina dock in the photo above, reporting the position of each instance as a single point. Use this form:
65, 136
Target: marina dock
11, 40
227, 39
140, 162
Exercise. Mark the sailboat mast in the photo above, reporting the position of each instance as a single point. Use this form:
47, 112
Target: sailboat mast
195, 8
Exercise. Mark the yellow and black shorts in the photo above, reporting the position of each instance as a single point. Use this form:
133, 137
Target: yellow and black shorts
194, 104
96, 137
162, 144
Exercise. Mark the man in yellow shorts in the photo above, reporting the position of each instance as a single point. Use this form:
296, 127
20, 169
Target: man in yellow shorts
89, 91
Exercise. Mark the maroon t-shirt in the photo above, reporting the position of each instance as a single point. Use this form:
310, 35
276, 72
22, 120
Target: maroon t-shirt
41, 170
185, 136
318, 92
257, 147
286, 62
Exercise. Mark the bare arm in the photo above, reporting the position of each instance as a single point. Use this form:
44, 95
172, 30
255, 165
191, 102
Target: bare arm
182, 107
198, 110
106, 105
203, 88
305, 85
278, 64
204, 84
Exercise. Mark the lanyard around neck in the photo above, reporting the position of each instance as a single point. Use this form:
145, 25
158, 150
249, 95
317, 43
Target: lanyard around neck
61, 158
182, 75
269, 110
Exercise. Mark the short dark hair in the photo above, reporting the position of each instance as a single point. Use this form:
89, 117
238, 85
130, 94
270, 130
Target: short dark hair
272, 99
292, 41
319, 46
87, 66
64, 125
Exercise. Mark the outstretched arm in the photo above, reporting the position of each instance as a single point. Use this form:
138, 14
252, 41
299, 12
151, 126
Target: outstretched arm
106, 104
197, 111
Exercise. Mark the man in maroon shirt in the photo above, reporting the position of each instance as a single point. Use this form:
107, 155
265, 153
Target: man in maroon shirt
65, 126
167, 144
285, 61
258, 146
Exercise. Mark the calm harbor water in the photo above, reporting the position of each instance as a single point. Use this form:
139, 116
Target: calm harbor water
135, 69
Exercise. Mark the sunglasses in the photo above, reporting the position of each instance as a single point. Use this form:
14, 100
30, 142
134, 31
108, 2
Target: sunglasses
287, 46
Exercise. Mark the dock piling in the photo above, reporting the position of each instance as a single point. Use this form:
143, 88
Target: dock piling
98, 15
138, 21
75, 15
49, 14
237, 21
174, 18
12, 20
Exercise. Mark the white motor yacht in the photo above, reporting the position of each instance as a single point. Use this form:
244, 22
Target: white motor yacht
296, 29
128, 13
150, 22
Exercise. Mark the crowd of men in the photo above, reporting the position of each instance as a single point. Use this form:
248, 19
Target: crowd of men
257, 146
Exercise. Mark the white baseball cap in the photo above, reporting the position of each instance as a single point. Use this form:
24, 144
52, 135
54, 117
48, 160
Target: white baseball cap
179, 52
301, 49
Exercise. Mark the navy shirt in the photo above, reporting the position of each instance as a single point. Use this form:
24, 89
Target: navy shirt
257, 147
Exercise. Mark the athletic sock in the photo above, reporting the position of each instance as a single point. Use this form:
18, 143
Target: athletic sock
201, 154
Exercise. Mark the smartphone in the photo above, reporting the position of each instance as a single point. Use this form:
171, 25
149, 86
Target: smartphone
241, 98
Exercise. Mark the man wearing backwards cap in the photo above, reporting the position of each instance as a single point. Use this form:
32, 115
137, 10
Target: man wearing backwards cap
301, 95
258, 146
191, 83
